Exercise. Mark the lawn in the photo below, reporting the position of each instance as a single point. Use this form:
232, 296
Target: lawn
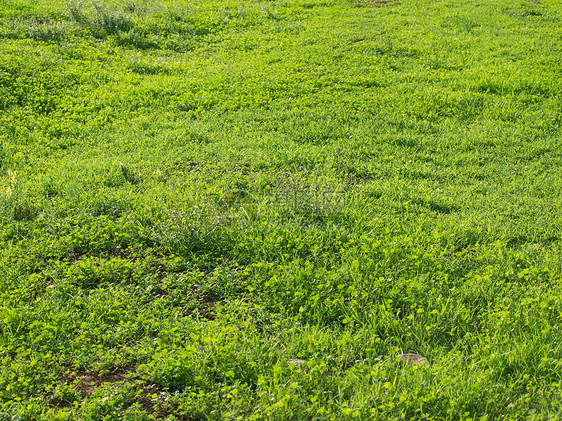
249, 210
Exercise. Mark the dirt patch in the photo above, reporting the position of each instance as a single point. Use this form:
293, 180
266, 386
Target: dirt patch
147, 395
88, 383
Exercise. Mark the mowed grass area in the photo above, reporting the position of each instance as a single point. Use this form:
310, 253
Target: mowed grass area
248, 210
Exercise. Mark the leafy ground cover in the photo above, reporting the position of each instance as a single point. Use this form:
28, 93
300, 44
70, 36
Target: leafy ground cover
249, 210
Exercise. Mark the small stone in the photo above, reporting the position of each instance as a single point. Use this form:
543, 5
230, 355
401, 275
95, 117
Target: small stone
413, 358
296, 362
88, 380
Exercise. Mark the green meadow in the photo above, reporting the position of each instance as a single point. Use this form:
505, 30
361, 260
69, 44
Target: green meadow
251, 210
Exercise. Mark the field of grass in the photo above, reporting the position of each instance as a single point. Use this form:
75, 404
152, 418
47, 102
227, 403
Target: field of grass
249, 209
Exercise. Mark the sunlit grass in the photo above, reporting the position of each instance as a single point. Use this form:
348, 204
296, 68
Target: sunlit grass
225, 210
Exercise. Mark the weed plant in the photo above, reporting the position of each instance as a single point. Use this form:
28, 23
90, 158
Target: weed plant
249, 210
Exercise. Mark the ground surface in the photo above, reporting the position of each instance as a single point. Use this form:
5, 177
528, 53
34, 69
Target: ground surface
250, 210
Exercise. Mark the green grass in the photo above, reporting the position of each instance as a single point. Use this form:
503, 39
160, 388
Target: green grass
249, 210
